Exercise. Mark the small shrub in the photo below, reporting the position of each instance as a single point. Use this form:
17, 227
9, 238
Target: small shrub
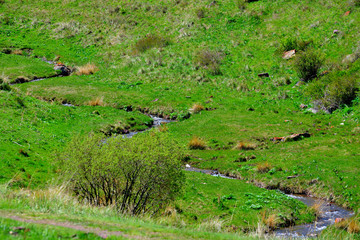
294, 43
245, 146
263, 167
88, 69
210, 60
117, 172
308, 64
97, 102
333, 92
196, 108
197, 143
148, 42
200, 13
340, 91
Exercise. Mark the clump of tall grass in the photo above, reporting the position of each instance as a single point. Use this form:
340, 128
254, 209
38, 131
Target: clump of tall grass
17, 52
209, 60
245, 146
87, 69
212, 225
317, 208
263, 167
150, 41
293, 43
196, 108
308, 64
350, 225
97, 102
197, 143
271, 221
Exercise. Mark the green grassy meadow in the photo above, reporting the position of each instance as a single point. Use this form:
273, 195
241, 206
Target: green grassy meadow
196, 62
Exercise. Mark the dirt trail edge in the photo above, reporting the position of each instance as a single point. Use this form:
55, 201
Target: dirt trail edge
101, 233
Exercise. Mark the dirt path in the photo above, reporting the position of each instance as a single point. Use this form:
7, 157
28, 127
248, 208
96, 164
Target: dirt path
101, 233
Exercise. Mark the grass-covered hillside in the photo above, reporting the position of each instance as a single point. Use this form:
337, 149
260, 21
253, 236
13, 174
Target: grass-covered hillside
264, 91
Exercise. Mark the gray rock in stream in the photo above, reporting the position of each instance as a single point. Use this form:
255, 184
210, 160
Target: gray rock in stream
65, 71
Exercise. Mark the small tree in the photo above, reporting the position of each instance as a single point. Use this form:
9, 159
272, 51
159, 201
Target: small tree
137, 175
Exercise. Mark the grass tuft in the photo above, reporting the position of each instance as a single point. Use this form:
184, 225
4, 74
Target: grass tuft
148, 42
97, 102
196, 108
354, 227
87, 69
263, 167
17, 52
209, 60
308, 64
317, 208
245, 146
197, 143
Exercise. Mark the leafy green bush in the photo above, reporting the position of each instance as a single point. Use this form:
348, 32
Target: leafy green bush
137, 175
308, 64
333, 92
341, 91
148, 42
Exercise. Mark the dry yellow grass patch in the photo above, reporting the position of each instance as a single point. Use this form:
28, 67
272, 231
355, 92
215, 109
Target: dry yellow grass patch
97, 102
263, 167
351, 225
271, 221
196, 108
17, 52
317, 208
87, 69
245, 146
197, 143
354, 227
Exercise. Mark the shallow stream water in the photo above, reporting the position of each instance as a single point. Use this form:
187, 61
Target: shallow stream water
329, 212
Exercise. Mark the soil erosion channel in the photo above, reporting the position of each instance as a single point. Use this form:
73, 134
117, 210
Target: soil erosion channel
329, 212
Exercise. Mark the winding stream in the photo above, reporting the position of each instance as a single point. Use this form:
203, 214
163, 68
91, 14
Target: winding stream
329, 212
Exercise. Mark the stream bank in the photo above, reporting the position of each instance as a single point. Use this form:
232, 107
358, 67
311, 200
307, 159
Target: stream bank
329, 212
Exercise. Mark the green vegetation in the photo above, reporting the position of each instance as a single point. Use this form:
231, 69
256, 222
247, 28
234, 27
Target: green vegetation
16, 68
308, 65
119, 172
218, 67
32, 129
